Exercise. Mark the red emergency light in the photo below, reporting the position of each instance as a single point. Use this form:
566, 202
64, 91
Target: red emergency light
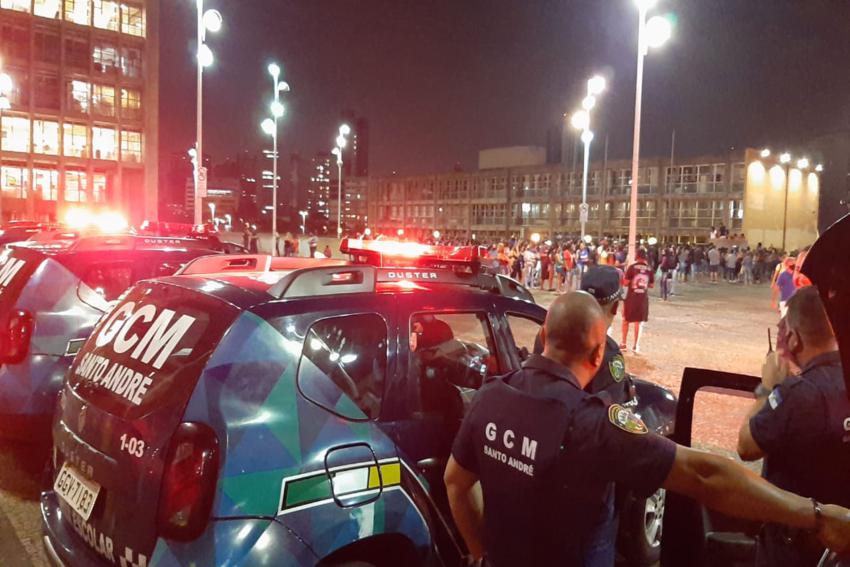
158, 228
396, 253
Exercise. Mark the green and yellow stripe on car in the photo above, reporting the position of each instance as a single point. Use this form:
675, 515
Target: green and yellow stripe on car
315, 487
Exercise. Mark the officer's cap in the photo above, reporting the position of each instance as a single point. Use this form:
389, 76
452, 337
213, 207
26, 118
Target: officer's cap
603, 283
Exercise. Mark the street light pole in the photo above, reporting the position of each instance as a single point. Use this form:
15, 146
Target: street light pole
199, 152
641, 53
270, 127
652, 33
344, 131
209, 20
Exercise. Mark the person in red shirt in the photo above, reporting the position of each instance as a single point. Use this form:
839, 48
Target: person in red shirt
639, 279
569, 267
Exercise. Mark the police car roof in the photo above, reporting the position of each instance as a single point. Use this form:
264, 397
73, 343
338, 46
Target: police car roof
64, 241
247, 287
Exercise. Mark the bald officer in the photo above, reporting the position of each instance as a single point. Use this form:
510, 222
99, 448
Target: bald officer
545, 450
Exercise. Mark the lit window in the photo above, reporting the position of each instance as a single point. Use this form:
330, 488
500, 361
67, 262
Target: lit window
133, 20
106, 14
131, 62
131, 146
75, 186
105, 57
131, 104
98, 187
103, 100
77, 11
103, 143
13, 180
45, 137
17, 5
45, 184
16, 134
47, 8
78, 97
75, 140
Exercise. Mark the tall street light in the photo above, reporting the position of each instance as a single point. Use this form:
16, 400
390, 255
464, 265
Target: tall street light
269, 126
341, 141
207, 21
5, 90
581, 121
652, 33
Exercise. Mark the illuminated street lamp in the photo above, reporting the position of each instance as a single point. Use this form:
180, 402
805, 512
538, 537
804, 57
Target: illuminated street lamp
803, 163
653, 33
212, 213
207, 21
341, 142
303, 221
6, 87
785, 158
581, 121
269, 126
819, 168
765, 153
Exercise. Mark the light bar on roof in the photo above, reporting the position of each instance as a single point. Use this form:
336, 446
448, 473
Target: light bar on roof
410, 250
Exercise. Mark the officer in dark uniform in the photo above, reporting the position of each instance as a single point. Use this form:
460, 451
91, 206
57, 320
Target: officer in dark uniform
545, 451
801, 425
603, 283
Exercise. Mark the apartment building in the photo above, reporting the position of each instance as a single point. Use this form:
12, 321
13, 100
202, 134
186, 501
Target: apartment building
679, 201
81, 126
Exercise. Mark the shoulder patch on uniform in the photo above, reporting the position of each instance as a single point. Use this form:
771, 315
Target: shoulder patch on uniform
774, 399
617, 367
626, 420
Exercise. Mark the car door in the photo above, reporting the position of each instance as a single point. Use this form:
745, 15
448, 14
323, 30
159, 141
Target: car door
694, 535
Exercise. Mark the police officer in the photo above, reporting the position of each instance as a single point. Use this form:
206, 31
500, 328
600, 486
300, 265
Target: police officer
603, 283
545, 450
800, 424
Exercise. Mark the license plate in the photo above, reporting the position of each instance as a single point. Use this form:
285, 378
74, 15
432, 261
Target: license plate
77, 491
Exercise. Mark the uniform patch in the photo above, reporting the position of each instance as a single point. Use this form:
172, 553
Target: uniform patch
774, 399
617, 367
626, 420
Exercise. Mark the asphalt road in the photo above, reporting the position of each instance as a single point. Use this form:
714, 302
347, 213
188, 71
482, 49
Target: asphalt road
710, 326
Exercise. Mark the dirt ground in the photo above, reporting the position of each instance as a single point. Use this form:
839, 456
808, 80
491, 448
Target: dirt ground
715, 326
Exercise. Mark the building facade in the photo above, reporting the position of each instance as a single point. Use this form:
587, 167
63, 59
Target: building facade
679, 202
82, 127
318, 199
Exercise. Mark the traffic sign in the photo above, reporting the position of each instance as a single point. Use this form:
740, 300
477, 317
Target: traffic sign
202, 182
583, 211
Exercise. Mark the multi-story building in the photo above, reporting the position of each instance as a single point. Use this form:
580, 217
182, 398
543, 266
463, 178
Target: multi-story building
681, 201
318, 199
356, 154
82, 126
354, 204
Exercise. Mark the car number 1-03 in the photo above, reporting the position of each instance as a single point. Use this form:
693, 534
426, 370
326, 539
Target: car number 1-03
135, 447
79, 492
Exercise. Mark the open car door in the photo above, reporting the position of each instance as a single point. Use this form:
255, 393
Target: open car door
694, 535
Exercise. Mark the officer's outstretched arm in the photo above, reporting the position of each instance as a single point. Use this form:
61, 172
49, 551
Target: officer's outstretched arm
466, 510
734, 490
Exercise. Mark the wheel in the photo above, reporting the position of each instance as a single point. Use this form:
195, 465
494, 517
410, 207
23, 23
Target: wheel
643, 523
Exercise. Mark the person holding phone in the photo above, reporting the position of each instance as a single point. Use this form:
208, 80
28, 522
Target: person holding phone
800, 424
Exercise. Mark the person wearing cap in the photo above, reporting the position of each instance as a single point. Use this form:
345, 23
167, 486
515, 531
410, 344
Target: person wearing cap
603, 283
639, 279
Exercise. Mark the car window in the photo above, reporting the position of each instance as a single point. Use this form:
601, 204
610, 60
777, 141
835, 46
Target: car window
525, 333
344, 364
450, 353
109, 280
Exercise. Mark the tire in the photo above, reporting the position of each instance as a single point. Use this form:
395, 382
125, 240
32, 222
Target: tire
642, 524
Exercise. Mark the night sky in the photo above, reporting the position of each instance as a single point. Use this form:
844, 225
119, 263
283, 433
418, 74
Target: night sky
440, 80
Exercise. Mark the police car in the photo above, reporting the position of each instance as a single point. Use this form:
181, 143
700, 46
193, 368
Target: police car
53, 288
256, 411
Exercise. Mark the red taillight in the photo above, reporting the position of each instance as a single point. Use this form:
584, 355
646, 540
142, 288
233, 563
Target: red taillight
188, 482
15, 338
